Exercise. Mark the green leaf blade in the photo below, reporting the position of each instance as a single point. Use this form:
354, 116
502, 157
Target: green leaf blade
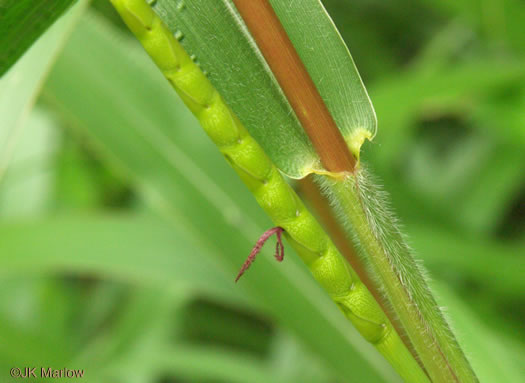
218, 40
20, 86
22, 22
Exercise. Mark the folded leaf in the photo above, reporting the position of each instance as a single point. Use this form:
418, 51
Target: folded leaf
213, 33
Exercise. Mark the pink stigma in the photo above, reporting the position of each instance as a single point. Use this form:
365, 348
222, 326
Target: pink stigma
279, 249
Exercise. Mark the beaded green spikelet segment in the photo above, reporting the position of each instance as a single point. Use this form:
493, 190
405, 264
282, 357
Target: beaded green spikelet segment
268, 186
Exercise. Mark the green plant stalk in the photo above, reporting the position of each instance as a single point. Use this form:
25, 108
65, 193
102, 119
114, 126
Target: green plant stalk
363, 211
270, 189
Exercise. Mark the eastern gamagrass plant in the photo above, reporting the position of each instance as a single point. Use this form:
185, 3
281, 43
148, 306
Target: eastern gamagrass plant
360, 206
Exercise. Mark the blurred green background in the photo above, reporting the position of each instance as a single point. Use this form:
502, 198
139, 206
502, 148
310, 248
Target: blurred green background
122, 228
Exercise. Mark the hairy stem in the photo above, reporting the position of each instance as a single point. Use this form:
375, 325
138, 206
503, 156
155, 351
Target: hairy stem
363, 210
321, 206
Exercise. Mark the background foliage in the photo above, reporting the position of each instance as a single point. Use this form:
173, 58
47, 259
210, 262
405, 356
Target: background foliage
122, 228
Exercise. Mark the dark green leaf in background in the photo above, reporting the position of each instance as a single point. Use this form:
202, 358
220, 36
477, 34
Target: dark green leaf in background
19, 88
21, 24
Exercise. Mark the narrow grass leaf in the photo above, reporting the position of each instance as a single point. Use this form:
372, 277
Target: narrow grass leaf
20, 86
22, 22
